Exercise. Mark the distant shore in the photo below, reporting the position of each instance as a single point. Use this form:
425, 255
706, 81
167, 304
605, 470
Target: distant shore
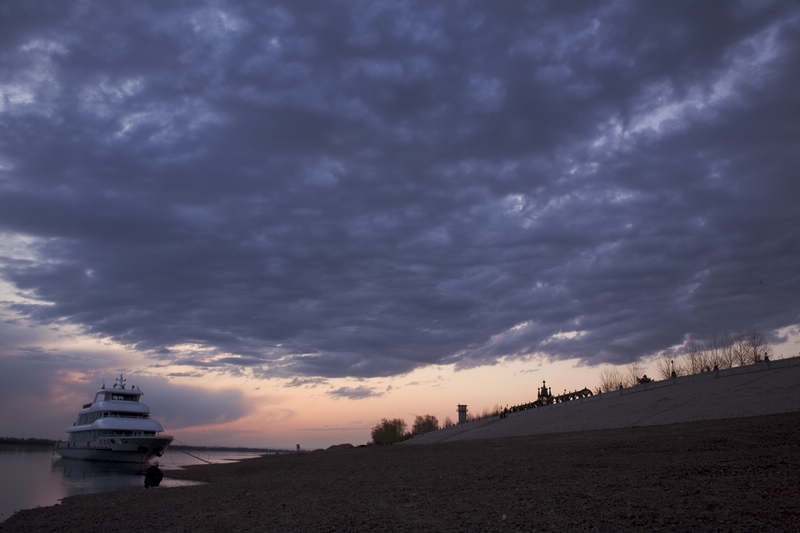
14, 441
21, 441
736, 475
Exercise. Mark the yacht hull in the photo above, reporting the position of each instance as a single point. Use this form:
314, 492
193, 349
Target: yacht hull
129, 450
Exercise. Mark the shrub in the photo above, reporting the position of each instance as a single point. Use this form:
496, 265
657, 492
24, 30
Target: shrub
424, 424
389, 431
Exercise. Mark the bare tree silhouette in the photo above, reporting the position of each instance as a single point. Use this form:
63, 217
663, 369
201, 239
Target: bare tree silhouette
610, 379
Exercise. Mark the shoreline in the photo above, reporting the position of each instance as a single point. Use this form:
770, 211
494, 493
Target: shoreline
735, 474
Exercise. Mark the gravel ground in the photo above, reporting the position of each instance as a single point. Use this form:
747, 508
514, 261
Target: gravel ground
729, 475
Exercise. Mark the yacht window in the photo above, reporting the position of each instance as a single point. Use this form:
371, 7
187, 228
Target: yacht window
123, 414
123, 397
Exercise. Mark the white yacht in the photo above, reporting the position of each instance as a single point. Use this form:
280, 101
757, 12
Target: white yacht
115, 426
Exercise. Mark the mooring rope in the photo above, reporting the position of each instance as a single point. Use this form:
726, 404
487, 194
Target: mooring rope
188, 453
193, 455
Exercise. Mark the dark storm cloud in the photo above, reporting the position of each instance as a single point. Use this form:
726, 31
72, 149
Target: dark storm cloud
182, 406
358, 190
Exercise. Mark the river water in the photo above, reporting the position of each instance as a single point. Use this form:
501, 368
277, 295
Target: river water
34, 476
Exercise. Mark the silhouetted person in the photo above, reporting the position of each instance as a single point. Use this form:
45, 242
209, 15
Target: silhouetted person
152, 476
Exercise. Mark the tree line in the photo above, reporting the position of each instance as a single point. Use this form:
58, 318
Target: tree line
389, 431
722, 352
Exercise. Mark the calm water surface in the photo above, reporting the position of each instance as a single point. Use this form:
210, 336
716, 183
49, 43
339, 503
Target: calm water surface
33, 477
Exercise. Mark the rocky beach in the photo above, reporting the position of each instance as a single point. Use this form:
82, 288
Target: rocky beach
730, 475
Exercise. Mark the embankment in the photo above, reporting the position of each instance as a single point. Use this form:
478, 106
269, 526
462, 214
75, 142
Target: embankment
759, 389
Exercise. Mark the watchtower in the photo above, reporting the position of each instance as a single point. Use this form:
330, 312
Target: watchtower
462, 413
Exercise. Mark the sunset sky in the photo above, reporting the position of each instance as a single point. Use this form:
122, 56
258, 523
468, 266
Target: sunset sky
286, 222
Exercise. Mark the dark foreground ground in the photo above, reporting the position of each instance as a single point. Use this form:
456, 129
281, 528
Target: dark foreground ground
729, 475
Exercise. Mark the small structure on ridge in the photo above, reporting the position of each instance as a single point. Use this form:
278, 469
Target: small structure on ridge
462, 413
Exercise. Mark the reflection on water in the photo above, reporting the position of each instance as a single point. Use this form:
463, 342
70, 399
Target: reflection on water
97, 476
35, 476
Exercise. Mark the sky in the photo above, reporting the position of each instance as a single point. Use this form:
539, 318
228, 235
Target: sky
285, 222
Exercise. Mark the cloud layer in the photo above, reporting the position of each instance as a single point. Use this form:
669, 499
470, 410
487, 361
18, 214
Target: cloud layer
328, 190
52, 389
